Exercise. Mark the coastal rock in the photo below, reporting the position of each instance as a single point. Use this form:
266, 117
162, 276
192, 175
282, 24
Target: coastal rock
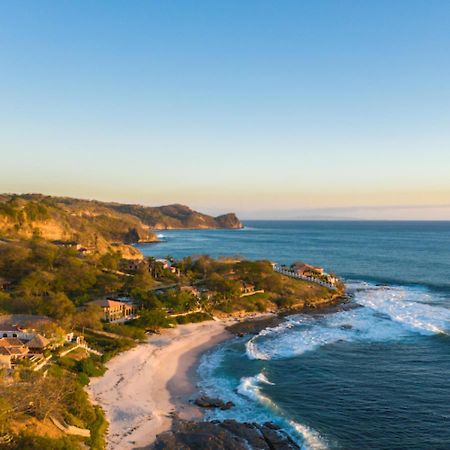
209, 402
224, 435
228, 221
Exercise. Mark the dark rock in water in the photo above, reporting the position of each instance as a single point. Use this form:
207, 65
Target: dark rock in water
271, 425
209, 402
346, 326
225, 435
254, 326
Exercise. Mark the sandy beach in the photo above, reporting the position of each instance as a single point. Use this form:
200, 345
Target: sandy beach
145, 385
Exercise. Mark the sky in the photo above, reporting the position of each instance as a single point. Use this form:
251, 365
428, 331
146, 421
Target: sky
272, 109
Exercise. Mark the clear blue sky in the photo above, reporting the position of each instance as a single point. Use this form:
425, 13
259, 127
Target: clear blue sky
269, 108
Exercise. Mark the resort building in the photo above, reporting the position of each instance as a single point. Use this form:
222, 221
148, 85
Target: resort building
115, 311
301, 268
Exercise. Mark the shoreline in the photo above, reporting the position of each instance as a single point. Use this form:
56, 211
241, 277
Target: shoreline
146, 385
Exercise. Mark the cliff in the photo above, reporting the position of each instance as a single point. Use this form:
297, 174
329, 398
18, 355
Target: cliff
97, 225
177, 216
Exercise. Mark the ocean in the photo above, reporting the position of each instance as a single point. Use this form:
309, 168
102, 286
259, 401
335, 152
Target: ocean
373, 373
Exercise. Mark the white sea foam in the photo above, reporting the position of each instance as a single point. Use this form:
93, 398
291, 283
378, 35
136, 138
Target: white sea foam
251, 405
312, 439
385, 314
408, 307
250, 387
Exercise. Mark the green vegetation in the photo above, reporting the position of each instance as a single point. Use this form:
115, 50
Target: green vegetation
51, 280
99, 226
58, 395
26, 441
59, 282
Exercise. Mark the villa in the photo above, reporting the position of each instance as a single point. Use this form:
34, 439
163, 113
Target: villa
115, 310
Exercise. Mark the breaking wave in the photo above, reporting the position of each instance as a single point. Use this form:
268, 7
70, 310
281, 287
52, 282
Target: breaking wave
250, 387
383, 313
251, 405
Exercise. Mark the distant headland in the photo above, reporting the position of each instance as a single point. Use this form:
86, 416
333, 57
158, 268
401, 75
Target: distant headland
95, 226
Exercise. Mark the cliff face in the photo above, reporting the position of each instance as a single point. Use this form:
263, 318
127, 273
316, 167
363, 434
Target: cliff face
98, 225
97, 229
177, 216
229, 220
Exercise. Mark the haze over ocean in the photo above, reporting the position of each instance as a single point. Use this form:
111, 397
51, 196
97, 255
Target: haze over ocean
373, 374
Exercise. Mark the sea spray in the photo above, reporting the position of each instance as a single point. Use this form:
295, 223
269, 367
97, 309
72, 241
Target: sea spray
251, 388
250, 404
382, 314
408, 307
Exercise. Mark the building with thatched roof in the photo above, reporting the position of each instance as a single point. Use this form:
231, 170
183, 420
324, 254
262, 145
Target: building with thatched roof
38, 343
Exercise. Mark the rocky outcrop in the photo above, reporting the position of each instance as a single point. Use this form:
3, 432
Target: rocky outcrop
224, 435
228, 221
209, 402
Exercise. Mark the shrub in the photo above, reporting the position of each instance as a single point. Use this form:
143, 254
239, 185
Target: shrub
90, 367
193, 318
32, 442
98, 430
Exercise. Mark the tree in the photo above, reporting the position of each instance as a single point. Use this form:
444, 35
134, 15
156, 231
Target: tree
37, 283
142, 280
5, 415
111, 260
58, 306
153, 318
90, 317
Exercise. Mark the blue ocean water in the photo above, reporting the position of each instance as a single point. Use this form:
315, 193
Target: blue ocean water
374, 374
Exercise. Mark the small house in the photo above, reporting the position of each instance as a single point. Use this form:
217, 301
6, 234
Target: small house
132, 265
11, 349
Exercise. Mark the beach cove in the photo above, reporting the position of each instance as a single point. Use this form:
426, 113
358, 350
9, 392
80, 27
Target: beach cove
144, 386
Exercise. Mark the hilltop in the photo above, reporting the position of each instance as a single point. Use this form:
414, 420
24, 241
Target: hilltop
96, 225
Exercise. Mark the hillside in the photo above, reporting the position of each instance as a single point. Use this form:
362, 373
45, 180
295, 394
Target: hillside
177, 216
97, 225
